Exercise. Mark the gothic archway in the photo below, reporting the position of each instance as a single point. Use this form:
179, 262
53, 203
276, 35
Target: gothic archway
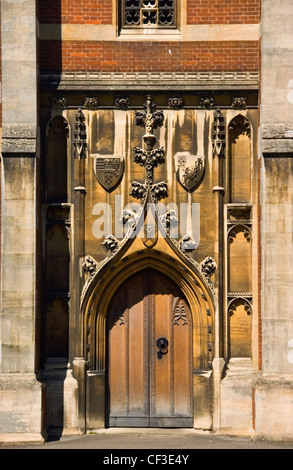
194, 291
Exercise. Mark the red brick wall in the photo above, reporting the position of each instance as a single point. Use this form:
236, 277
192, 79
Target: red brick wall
149, 55
223, 11
141, 56
76, 11
198, 11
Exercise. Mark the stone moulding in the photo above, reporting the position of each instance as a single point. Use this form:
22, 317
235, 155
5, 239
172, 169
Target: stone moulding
150, 80
19, 138
277, 139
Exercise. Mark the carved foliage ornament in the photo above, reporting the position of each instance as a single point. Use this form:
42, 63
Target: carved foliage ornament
89, 266
175, 103
91, 102
239, 103
180, 314
110, 243
121, 103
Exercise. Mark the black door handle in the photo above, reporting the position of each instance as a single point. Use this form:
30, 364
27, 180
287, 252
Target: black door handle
162, 344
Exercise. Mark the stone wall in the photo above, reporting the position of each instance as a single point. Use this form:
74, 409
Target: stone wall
21, 405
273, 389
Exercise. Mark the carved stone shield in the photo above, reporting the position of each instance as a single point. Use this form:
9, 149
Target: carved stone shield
108, 170
189, 169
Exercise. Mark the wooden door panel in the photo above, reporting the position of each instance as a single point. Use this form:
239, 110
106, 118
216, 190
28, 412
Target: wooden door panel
136, 360
118, 365
161, 368
128, 383
182, 351
144, 389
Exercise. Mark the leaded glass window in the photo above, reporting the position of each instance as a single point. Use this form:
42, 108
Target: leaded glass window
148, 13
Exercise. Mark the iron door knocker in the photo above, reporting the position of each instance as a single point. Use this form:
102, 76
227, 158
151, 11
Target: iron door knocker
162, 344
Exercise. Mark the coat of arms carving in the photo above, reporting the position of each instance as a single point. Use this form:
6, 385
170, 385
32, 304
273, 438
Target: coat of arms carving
189, 169
108, 170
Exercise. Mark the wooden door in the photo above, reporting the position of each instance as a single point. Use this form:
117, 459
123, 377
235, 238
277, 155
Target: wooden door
149, 386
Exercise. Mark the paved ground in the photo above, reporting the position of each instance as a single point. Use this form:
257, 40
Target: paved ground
157, 439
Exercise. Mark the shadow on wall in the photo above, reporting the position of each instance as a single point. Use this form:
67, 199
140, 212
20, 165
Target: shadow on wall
50, 54
54, 376
54, 329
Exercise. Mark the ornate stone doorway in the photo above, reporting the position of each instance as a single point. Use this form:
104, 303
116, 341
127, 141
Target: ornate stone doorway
149, 360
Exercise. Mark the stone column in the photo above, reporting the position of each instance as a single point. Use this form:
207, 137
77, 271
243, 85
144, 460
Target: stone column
274, 388
20, 391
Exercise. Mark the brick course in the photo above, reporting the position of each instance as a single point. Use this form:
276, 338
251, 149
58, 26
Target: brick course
76, 12
223, 12
141, 56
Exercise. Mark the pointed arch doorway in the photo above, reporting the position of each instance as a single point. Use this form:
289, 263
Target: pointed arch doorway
149, 354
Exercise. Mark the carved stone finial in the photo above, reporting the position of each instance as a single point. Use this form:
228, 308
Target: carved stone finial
148, 157
152, 119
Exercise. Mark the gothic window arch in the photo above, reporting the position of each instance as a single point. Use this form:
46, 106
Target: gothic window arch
151, 14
